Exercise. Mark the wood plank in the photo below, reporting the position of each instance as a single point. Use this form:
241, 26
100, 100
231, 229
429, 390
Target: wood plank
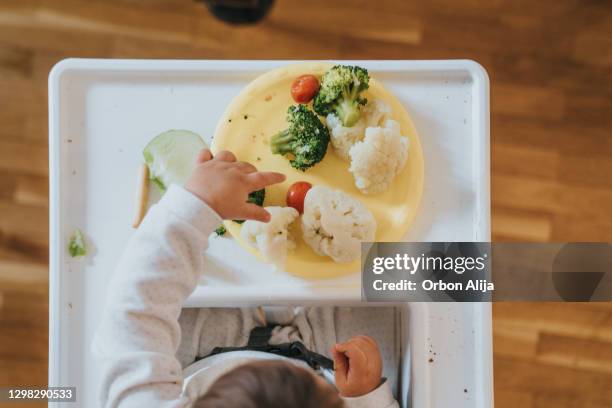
513, 340
528, 101
513, 399
23, 273
25, 158
15, 62
509, 224
580, 228
31, 190
538, 195
568, 137
101, 18
572, 352
24, 373
568, 383
525, 161
24, 230
570, 319
551, 400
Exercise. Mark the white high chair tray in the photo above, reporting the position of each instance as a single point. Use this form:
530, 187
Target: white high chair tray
103, 112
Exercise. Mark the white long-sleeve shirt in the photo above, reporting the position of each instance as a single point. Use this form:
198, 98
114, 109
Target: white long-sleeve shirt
139, 333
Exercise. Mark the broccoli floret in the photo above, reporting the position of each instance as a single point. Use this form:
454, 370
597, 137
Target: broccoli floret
220, 231
340, 93
306, 138
255, 197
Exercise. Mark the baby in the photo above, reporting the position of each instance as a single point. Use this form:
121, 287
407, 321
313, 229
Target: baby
151, 352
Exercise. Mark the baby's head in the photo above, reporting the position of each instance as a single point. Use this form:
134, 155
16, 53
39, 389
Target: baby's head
270, 383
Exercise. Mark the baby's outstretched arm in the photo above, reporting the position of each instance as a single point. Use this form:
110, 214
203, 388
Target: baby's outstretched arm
139, 334
358, 370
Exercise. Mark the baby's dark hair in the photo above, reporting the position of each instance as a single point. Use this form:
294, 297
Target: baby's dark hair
269, 384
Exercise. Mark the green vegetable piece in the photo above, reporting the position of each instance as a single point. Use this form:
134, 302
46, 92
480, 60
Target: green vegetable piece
340, 93
76, 244
171, 157
306, 138
255, 197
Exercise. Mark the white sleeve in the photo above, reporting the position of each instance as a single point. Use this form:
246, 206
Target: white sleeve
139, 334
382, 397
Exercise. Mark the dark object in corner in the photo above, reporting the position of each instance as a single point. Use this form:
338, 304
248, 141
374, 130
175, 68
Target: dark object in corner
239, 11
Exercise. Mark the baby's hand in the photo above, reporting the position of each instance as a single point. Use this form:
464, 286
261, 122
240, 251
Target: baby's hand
224, 184
357, 365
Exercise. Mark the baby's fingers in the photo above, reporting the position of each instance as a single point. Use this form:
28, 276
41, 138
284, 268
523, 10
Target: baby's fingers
254, 212
341, 365
356, 356
352, 348
225, 155
246, 167
204, 156
263, 179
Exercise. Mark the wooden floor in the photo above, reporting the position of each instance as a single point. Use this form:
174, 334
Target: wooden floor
550, 64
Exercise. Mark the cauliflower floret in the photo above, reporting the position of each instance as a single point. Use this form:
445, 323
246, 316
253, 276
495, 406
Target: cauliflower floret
376, 112
377, 159
343, 138
273, 239
335, 224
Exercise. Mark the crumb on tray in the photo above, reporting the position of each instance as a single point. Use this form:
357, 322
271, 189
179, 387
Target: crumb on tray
76, 244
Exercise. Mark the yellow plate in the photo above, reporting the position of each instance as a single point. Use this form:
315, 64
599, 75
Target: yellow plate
260, 110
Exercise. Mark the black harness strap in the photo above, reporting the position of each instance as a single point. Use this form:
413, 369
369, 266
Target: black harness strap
259, 341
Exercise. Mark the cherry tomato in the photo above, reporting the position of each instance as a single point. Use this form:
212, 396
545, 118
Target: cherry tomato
304, 88
296, 194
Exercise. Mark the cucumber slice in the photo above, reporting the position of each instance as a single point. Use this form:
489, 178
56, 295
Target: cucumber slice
171, 157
